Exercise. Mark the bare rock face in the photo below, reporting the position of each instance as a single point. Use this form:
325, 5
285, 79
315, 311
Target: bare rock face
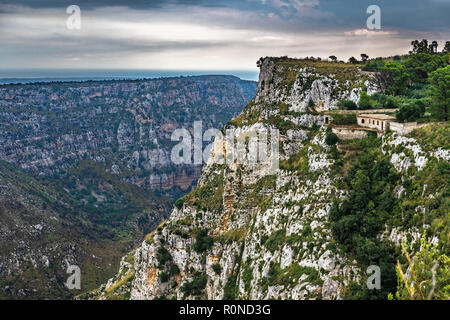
311, 86
48, 129
248, 231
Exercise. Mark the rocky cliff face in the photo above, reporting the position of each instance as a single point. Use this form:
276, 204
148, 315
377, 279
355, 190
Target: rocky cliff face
89, 171
250, 232
123, 125
320, 84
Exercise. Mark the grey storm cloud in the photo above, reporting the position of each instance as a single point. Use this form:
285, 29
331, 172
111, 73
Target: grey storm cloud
420, 15
90, 4
236, 32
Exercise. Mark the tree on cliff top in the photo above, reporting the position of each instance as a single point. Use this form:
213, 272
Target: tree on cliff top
439, 93
353, 60
399, 78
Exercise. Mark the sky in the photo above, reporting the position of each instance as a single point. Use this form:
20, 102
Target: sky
208, 35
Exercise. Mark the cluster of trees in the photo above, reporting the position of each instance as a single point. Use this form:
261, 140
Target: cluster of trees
347, 105
413, 71
438, 91
203, 241
331, 139
357, 221
417, 83
364, 58
424, 47
196, 286
411, 111
421, 71
376, 101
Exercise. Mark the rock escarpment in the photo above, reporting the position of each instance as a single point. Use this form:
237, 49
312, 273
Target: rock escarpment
125, 126
88, 171
250, 232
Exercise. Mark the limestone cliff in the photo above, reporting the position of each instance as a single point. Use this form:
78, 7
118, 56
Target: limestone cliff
250, 232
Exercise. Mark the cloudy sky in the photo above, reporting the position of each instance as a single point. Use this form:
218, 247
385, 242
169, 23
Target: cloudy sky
208, 35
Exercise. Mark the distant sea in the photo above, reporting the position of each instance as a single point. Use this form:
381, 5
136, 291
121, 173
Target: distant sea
30, 76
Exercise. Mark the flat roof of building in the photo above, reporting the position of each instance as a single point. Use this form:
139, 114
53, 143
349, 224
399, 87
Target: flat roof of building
376, 116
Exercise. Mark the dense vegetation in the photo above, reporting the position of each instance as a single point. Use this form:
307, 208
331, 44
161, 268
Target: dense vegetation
41, 214
357, 221
416, 83
372, 204
106, 203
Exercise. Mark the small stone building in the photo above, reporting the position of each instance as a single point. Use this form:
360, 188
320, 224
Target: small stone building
375, 121
405, 128
350, 132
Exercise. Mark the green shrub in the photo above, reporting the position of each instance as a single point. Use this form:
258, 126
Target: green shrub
230, 289
203, 241
164, 277
196, 286
343, 119
179, 203
331, 139
438, 93
410, 111
275, 240
247, 276
419, 66
357, 221
163, 256
399, 78
374, 65
174, 270
290, 275
423, 283
208, 197
306, 230
216, 268
384, 101
347, 105
364, 101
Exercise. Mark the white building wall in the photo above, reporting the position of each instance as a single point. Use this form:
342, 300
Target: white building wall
372, 123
